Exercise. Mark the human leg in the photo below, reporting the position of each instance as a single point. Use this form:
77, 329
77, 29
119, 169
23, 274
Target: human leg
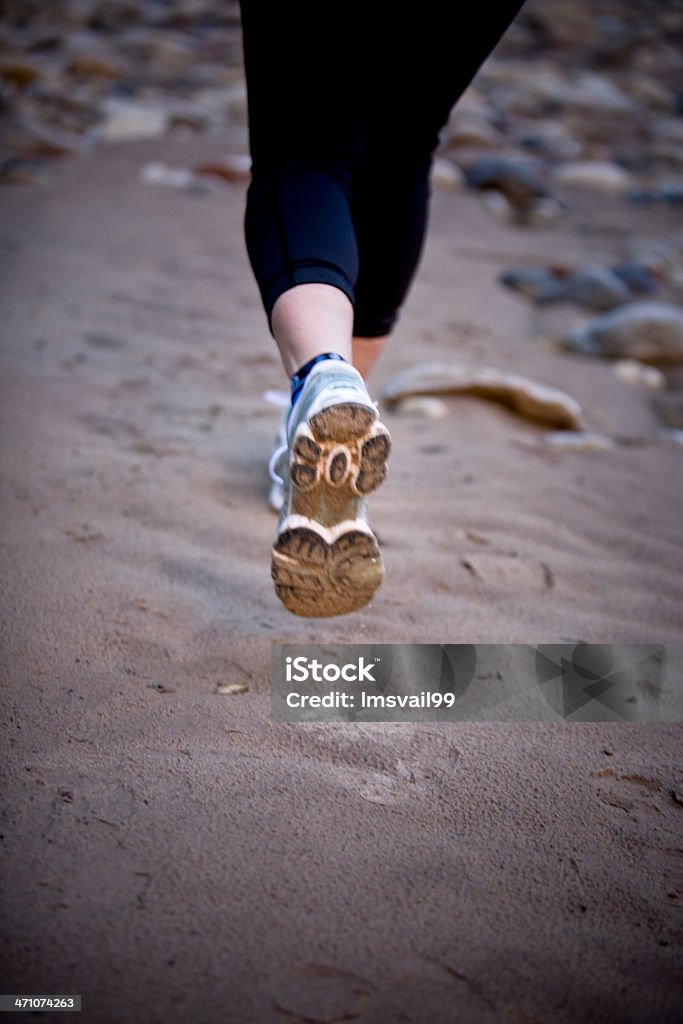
307, 130
427, 63
309, 319
302, 246
319, 204
366, 352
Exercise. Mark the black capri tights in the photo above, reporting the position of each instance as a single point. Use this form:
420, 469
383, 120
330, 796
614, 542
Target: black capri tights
345, 110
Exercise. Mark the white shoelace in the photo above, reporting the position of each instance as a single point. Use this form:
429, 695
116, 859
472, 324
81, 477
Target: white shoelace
275, 477
280, 399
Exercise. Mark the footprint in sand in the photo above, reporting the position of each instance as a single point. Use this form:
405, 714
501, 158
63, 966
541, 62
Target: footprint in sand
414, 1000
416, 775
508, 571
319, 993
381, 788
633, 792
382, 767
316, 992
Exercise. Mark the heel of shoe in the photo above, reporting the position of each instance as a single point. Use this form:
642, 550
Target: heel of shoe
321, 572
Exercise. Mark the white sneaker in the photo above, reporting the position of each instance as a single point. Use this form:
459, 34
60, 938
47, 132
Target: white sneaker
326, 560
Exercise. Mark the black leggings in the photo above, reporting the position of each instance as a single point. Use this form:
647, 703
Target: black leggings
344, 117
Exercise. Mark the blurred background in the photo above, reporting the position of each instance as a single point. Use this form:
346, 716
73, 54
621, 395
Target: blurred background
581, 94
573, 80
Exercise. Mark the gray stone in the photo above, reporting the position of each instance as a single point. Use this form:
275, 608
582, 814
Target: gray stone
595, 287
637, 277
592, 286
550, 139
601, 175
651, 332
537, 283
470, 130
517, 179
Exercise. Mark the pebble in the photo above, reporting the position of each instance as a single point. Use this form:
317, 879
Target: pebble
159, 174
94, 64
600, 175
592, 286
550, 139
230, 689
513, 189
578, 441
537, 283
500, 207
447, 174
638, 278
517, 179
186, 114
544, 211
469, 130
131, 119
421, 407
19, 71
651, 332
230, 168
544, 87
668, 192
632, 372
587, 92
225, 101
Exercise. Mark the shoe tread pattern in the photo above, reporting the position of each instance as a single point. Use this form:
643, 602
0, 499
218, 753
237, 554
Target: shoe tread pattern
337, 458
316, 579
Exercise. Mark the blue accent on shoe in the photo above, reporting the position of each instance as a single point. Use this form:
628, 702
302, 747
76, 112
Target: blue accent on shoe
299, 378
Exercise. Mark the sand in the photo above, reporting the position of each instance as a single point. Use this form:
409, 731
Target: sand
168, 851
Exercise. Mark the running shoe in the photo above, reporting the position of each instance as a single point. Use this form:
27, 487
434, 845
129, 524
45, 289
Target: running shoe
326, 560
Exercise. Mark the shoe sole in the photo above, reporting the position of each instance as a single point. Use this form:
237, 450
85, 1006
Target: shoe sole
319, 572
326, 560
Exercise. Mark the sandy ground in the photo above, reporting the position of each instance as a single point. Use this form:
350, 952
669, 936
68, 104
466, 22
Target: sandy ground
172, 854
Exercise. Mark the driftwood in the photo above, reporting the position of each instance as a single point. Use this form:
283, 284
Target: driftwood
526, 397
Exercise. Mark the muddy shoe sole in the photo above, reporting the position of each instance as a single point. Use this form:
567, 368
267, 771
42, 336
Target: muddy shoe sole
341, 453
326, 560
320, 572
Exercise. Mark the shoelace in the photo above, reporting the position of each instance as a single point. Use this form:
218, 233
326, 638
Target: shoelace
282, 400
275, 477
